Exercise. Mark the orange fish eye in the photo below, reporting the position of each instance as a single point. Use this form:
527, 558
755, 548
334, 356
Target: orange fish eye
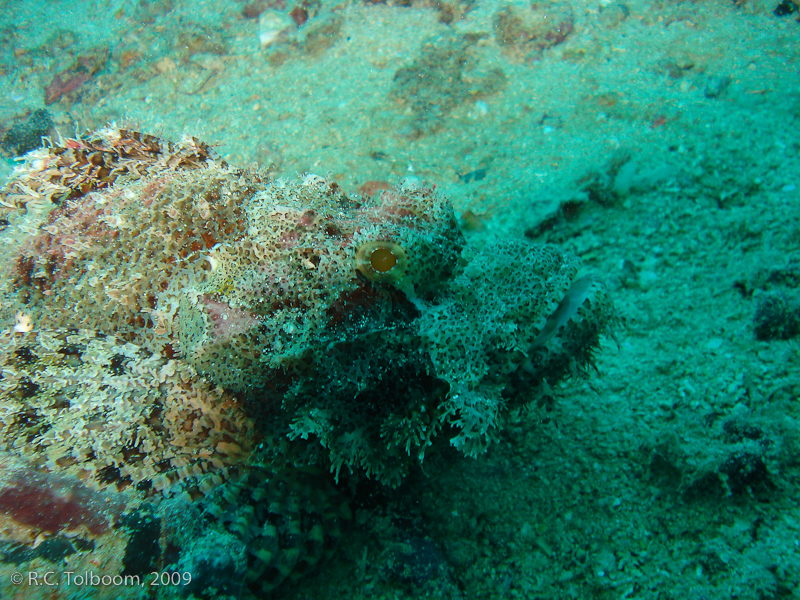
382, 260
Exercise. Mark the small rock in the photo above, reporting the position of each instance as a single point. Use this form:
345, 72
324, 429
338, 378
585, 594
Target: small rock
717, 86
274, 27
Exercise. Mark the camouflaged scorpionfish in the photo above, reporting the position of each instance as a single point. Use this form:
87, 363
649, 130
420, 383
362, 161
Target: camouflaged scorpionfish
195, 353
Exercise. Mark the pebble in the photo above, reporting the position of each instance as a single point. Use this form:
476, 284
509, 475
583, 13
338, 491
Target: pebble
273, 26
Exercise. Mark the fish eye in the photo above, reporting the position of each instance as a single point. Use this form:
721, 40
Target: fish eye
381, 261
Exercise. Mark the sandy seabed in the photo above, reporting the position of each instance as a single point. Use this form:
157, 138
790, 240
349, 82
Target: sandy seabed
656, 140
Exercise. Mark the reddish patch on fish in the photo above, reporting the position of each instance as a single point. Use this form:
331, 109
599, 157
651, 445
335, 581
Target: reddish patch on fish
228, 321
51, 504
370, 188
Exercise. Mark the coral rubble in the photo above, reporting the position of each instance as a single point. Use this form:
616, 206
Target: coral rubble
196, 339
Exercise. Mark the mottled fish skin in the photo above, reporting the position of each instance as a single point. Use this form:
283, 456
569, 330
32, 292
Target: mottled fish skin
105, 449
105, 434
195, 353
